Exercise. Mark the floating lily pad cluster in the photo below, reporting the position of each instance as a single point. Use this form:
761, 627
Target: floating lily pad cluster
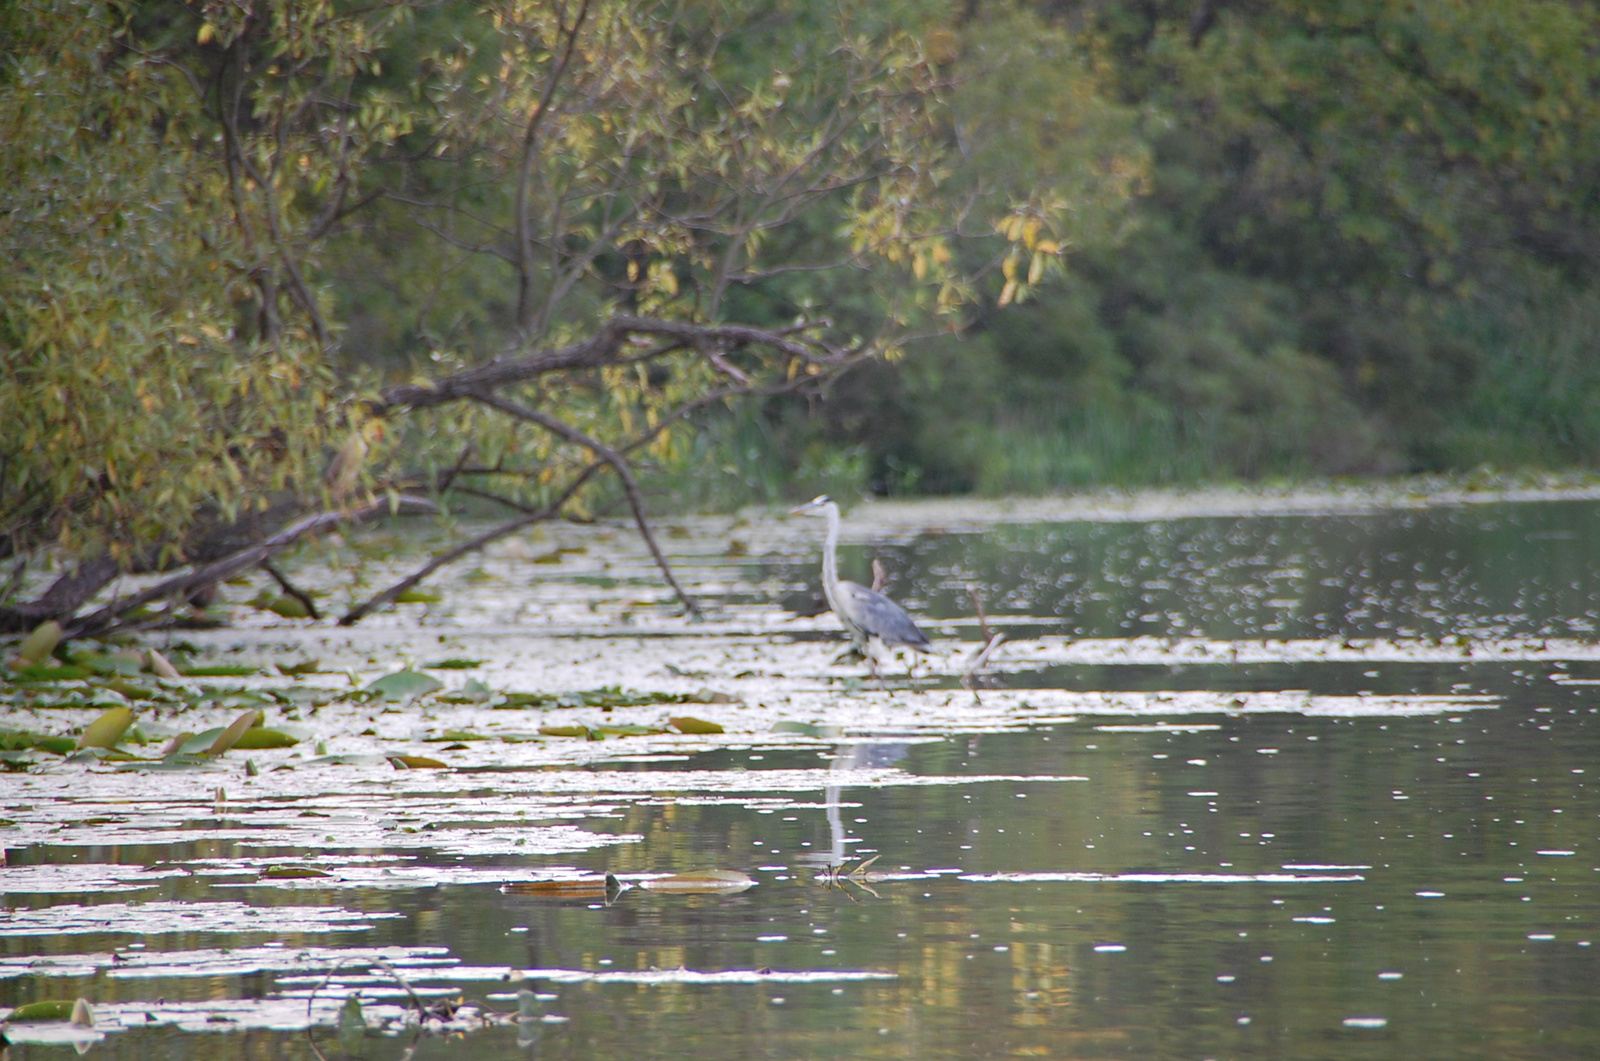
121, 681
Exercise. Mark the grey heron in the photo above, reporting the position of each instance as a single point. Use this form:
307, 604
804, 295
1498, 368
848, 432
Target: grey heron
867, 615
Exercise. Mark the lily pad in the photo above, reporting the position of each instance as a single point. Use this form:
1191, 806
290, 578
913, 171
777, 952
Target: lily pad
257, 738
288, 607
292, 873
223, 670
45, 673
235, 729
124, 663
37, 646
473, 692
701, 882
690, 724
454, 664
622, 730
605, 888
404, 685
105, 731
418, 596
50, 1009
295, 670
564, 731
416, 762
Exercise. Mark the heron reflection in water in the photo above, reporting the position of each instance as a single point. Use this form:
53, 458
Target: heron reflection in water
870, 618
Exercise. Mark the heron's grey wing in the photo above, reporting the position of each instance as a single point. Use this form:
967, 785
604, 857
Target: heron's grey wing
880, 617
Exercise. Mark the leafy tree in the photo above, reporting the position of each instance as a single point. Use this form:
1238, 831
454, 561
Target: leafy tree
1367, 245
575, 198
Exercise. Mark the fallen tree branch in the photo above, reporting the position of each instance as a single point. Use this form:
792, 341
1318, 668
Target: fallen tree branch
450, 556
103, 619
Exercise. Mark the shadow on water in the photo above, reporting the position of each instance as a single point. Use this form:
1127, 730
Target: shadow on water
1236, 788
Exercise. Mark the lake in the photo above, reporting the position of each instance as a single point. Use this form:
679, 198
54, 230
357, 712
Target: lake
1244, 779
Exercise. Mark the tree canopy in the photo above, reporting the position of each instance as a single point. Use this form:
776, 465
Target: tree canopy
272, 257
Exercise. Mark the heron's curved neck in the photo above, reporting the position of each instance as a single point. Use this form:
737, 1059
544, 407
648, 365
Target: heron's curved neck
830, 562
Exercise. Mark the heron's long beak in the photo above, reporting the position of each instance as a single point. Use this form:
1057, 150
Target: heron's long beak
802, 509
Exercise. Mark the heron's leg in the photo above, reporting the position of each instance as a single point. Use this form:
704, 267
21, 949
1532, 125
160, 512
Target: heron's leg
849, 653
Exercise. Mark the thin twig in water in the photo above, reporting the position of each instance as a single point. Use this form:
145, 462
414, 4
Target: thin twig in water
991, 641
291, 589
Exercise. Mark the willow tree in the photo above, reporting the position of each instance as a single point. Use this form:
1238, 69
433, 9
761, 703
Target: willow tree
616, 210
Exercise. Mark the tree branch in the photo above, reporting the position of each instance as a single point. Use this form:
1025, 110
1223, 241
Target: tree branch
618, 463
105, 618
450, 556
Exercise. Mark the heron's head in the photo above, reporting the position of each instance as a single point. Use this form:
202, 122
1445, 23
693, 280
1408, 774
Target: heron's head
817, 506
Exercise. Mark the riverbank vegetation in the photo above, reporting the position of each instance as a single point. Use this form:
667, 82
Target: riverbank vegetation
271, 265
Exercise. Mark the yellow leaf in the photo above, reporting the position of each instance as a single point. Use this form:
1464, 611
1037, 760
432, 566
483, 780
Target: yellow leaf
1008, 293
207, 33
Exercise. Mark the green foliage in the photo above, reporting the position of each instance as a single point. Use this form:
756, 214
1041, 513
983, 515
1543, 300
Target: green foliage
229, 225
1367, 243
133, 408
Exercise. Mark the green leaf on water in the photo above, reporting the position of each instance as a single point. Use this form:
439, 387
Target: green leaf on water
257, 738
223, 670
37, 646
454, 664
564, 731
416, 762
295, 670
288, 607
236, 729
105, 731
628, 730
404, 685
58, 745
128, 664
132, 690
457, 735
292, 873
473, 692
418, 596
45, 673
51, 1009
690, 724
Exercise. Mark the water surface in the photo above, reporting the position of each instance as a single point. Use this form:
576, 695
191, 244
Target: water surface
1234, 787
